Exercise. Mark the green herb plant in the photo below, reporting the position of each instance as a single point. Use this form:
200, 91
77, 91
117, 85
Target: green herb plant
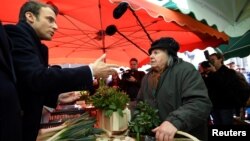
144, 119
110, 100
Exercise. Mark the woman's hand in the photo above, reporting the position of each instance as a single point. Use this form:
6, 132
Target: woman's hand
165, 132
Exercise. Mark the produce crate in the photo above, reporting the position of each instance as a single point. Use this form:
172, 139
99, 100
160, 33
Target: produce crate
62, 115
51, 124
113, 125
58, 117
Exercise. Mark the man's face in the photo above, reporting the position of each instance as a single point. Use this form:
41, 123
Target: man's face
215, 61
133, 65
45, 24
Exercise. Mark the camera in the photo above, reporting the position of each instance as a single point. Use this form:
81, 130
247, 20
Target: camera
125, 74
205, 64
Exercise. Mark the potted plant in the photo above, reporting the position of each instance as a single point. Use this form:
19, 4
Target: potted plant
112, 104
144, 119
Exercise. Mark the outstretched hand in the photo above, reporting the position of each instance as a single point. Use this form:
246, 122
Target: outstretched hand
101, 69
68, 97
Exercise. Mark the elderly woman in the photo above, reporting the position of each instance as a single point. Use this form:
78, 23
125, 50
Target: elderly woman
177, 90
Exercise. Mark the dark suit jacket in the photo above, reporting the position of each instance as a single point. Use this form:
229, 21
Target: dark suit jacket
10, 115
37, 84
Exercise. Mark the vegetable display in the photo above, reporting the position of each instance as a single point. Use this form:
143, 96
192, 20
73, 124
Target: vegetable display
78, 129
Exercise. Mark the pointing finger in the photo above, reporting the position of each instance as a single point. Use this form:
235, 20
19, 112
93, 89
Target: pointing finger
101, 58
112, 65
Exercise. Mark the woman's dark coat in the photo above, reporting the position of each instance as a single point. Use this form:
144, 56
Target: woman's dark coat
181, 98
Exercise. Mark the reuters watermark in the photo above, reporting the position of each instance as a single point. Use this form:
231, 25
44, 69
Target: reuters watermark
231, 133
241, 132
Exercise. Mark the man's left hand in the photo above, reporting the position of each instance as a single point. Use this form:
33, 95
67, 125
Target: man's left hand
68, 97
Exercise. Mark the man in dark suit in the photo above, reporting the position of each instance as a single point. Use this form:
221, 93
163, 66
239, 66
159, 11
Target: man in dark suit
37, 84
10, 115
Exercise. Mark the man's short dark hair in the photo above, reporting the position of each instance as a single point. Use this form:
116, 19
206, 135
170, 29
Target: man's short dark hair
133, 59
218, 56
34, 7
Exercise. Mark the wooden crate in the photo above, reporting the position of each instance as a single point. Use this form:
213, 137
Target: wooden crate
115, 124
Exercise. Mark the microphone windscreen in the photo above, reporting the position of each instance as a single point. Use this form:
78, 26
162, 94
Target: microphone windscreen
111, 30
120, 10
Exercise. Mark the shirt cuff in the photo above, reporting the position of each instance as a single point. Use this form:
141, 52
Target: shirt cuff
90, 67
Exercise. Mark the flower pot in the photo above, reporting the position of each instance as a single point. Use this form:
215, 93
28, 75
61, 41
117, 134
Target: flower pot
115, 124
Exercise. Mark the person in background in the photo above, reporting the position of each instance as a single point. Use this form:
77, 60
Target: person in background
115, 81
232, 65
177, 90
208, 70
10, 115
96, 83
224, 89
244, 72
38, 84
131, 79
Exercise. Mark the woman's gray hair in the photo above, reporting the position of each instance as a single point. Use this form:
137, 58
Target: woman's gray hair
170, 58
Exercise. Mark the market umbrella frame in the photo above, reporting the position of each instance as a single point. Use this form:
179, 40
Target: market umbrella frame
81, 37
237, 47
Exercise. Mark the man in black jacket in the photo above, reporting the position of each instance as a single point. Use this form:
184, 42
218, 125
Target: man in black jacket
37, 84
131, 79
223, 89
10, 115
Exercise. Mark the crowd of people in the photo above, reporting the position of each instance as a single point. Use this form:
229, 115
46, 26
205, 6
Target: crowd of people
184, 97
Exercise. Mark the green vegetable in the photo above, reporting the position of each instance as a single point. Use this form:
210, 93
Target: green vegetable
78, 129
144, 119
110, 100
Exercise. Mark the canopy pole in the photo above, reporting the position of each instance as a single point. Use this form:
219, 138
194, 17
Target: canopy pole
132, 43
241, 11
103, 33
137, 18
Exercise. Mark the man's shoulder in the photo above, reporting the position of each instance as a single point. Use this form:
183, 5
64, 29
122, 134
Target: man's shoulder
137, 71
13, 30
141, 72
10, 27
17, 31
229, 71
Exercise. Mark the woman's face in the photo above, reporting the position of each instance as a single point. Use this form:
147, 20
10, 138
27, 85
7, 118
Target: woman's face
158, 59
114, 75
